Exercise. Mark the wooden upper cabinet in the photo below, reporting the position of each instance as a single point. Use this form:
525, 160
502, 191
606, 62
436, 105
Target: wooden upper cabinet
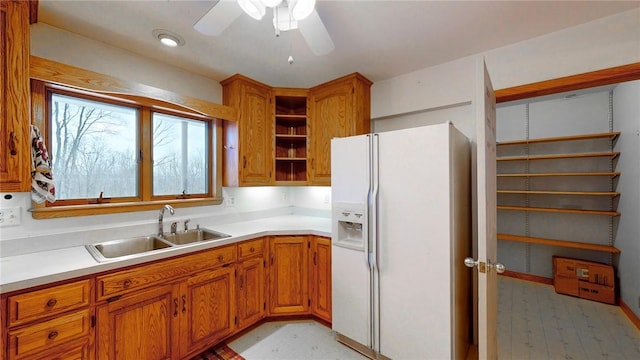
270, 144
338, 108
14, 97
248, 142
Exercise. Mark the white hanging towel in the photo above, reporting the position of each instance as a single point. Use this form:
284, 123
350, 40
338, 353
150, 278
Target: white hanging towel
42, 186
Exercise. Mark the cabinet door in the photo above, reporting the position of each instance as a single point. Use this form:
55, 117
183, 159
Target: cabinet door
251, 291
207, 305
140, 326
256, 136
329, 117
248, 143
320, 284
14, 96
288, 275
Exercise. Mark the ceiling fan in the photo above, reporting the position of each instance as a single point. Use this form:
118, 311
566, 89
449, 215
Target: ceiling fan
287, 15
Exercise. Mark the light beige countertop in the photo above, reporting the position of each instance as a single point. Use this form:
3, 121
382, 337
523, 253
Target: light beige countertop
28, 270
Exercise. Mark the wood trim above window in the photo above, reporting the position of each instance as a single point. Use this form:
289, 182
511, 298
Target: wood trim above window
602, 77
67, 75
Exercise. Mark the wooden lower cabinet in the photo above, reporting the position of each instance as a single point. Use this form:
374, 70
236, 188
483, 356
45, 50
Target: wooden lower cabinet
169, 321
207, 303
251, 283
320, 272
162, 310
140, 326
289, 275
49, 323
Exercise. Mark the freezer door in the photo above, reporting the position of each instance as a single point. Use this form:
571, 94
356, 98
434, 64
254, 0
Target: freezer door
351, 295
350, 177
351, 273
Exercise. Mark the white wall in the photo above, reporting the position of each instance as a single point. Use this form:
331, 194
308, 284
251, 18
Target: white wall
68, 48
603, 43
626, 107
248, 203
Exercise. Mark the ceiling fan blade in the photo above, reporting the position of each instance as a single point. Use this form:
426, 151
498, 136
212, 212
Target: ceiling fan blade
316, 35
218, 18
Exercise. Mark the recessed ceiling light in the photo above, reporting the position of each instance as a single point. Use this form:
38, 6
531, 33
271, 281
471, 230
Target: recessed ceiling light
168, 38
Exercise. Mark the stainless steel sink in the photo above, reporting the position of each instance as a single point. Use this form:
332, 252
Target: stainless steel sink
194, 235
126, 247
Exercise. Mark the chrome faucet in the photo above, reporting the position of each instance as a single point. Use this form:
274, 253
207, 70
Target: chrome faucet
160, 227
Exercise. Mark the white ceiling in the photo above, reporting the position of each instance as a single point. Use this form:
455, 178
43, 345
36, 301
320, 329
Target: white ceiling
379, 39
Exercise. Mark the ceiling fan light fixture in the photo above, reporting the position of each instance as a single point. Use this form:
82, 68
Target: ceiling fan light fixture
300, 9
283, 20
253, 8
271, 3
168, 38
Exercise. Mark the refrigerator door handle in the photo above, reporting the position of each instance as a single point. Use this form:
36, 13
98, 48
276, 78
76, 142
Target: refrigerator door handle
367, 199
374, 199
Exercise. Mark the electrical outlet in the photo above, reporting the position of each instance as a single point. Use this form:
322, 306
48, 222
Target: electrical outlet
230, 201
284, 196
10, 216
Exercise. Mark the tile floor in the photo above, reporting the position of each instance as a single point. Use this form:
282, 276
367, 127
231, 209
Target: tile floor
297, 340
536, 323
533, 323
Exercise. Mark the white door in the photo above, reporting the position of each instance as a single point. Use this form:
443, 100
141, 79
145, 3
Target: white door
485, 113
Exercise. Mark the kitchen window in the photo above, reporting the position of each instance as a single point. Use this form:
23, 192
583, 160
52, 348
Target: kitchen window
116, 154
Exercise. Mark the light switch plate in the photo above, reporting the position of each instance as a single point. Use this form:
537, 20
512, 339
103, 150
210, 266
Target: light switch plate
9, 216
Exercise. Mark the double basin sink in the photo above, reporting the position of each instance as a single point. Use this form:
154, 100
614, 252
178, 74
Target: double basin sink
130, 247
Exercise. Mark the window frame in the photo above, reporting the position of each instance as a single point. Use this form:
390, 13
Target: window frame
40, 104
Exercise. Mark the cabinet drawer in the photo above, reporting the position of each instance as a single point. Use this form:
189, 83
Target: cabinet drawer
250, 248
39, 337
123, 282
222, 256
54, 300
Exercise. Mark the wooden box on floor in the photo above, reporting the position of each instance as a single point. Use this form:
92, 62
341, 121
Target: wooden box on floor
585, 279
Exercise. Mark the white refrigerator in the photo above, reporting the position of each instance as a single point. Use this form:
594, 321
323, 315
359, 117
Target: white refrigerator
401, 229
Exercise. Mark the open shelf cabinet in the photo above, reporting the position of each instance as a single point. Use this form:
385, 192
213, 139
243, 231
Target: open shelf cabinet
290, 137
548, 175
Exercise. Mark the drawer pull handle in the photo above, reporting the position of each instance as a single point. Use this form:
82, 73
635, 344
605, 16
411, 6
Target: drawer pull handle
52, 335
52, 302
184, 304
220, 258
252, 249
126, 283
